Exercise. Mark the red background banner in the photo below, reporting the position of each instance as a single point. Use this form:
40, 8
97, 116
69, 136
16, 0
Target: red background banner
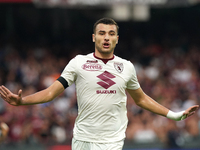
60, 147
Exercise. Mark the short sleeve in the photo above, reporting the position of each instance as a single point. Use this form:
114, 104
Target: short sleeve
69, 73
133, 81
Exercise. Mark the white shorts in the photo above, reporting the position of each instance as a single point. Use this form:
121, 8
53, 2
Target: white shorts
81, 145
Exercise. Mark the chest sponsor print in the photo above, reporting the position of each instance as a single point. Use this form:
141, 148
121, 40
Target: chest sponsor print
91, 67
106, 82
106, 79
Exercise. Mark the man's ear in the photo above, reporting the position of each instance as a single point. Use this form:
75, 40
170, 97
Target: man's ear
93, 37
117, 39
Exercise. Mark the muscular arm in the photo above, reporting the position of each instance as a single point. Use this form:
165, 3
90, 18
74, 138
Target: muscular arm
144, 101
43, 96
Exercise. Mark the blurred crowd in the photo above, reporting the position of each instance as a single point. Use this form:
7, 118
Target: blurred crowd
167, 71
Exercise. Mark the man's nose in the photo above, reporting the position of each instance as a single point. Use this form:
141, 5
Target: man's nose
106, 37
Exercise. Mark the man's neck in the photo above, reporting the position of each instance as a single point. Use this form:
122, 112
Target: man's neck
105, 60
104, 56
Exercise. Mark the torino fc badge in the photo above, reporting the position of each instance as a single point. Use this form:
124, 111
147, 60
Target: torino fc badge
119, 67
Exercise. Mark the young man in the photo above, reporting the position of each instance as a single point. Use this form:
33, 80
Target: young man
101, 80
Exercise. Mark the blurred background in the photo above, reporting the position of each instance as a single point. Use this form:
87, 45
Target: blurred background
160, 37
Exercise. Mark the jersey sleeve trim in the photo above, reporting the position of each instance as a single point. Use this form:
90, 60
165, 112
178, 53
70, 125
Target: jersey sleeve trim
63, 82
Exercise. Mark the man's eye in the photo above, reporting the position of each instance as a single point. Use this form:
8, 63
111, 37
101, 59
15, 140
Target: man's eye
112, 34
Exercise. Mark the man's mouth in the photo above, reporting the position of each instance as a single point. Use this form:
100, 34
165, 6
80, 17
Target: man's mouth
106, 45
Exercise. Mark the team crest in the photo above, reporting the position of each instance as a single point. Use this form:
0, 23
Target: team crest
119, 67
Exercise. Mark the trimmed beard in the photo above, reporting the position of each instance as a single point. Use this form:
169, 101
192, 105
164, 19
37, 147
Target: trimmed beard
104, 52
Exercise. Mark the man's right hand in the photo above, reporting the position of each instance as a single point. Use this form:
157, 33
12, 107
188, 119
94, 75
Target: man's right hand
10, 97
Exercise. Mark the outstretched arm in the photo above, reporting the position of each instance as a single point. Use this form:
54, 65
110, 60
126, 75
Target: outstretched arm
43, 96
144, 101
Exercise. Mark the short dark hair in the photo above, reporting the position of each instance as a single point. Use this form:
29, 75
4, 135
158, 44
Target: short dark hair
107, 21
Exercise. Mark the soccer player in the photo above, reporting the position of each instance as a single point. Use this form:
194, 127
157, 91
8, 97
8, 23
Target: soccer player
102, 80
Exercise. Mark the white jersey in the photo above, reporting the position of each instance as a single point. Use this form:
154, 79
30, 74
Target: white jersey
101, 97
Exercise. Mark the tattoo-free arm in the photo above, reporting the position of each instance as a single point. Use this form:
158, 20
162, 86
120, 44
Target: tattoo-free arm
43, 96
144, 101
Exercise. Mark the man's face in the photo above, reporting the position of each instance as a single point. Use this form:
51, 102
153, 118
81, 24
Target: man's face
105, 39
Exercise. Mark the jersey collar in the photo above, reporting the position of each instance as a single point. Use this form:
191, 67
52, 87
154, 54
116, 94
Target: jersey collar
104, 60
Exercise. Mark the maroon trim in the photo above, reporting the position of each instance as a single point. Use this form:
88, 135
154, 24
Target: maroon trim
104, 60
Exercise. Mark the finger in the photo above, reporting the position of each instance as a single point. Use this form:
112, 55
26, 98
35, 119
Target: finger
5, 89
2, 92
190, 114
191, 109
2, 95
194, 108
186, 115
20, 93
5, 98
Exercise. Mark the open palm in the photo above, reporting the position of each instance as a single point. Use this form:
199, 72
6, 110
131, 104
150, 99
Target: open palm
190, 111
10, 97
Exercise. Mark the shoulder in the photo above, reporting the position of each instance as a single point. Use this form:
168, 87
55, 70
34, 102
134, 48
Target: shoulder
80, 57
124, 63
122, 60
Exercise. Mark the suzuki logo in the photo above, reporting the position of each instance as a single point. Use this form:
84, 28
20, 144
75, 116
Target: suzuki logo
106, 79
